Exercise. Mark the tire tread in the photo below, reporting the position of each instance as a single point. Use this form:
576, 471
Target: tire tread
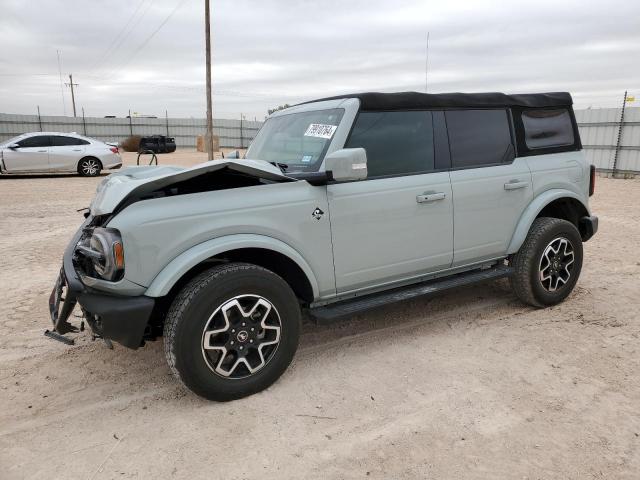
522, 260
184, 299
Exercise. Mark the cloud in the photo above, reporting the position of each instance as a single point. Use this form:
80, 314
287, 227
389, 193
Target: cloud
271, 52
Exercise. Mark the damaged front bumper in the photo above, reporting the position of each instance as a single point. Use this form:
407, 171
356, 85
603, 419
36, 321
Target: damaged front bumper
120, 318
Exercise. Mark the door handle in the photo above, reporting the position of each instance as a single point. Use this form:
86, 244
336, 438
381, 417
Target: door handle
514, 185
77, 150
430, 197
42, 151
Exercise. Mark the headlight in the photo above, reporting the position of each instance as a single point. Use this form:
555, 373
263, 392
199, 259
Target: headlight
104, 250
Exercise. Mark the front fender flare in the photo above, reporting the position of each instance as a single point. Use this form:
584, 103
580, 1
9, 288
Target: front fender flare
174, 270
532, 211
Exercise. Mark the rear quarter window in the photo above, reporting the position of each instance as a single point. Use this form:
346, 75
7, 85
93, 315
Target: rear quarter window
63, 141
547, 128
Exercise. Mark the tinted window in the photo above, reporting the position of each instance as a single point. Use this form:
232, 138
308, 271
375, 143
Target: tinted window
479, 137
397, 143
61, 141
37, 141
547, 128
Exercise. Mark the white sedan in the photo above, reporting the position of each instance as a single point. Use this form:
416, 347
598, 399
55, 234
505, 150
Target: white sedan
52, 152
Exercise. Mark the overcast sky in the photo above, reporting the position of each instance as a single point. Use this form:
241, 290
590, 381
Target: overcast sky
148, 55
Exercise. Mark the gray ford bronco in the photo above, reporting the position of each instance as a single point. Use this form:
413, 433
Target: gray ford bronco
341, 205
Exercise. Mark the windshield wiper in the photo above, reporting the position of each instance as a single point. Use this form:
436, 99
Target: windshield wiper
282, 166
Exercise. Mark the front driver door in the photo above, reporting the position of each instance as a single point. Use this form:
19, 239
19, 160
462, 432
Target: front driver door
398, 224
32, 155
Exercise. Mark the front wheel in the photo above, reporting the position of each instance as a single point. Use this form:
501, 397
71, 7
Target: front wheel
232, 331
89, 167
547, 266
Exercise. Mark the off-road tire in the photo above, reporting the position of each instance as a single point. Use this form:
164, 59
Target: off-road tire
89, 167
526, 279
188, 318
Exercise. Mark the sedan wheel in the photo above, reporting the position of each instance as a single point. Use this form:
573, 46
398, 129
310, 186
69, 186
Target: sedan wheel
89, 167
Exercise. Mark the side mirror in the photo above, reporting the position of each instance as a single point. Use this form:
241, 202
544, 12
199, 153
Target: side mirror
13, 146
347, 164
235, 155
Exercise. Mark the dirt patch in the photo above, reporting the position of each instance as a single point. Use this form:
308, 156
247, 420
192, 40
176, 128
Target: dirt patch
469, 384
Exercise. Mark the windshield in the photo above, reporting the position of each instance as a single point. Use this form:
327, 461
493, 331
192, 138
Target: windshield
297, 140
11, 140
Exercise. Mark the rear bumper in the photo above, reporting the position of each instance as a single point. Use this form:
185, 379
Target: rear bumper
111, 161
119, 318
588, 227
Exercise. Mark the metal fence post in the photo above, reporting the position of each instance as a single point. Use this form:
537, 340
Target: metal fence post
166, 117
619, 141
130, 124
84, 123
39, 118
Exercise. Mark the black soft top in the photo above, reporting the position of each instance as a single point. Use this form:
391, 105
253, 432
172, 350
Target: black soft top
415, 100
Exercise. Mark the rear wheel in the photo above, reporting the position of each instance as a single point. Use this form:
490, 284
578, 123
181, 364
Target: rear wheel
89, 167
547, 266
232, 331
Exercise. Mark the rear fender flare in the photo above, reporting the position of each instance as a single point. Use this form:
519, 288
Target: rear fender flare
174, 270
532, 211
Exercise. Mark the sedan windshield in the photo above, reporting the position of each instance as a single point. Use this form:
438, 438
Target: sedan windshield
298, 141
12, 140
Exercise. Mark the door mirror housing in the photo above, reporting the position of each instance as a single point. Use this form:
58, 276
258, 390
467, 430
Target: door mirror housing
13, 146
347, 164
235, 155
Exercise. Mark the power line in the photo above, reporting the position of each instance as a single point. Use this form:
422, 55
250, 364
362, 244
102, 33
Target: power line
128, 33
174, 86
64, 108
153, 34
117, 37
28, 74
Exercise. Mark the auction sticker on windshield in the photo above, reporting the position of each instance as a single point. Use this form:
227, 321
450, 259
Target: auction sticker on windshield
319, 130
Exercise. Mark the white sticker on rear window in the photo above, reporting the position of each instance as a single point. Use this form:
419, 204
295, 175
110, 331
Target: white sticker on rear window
319, 130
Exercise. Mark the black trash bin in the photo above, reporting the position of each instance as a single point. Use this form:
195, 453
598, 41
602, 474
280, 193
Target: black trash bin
157, 144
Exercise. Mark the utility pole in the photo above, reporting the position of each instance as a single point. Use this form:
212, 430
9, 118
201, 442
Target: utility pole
207, 33
73, 98
166, 119
426, 67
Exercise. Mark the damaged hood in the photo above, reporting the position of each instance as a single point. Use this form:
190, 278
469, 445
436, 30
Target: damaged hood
138, 181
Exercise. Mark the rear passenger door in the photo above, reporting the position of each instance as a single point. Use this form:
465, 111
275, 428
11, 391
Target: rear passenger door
397, 224
491, 188
65, 152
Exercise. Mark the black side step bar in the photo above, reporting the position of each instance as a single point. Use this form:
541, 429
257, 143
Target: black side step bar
356, 305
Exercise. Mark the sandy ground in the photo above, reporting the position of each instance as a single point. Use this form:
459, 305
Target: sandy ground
469, 384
